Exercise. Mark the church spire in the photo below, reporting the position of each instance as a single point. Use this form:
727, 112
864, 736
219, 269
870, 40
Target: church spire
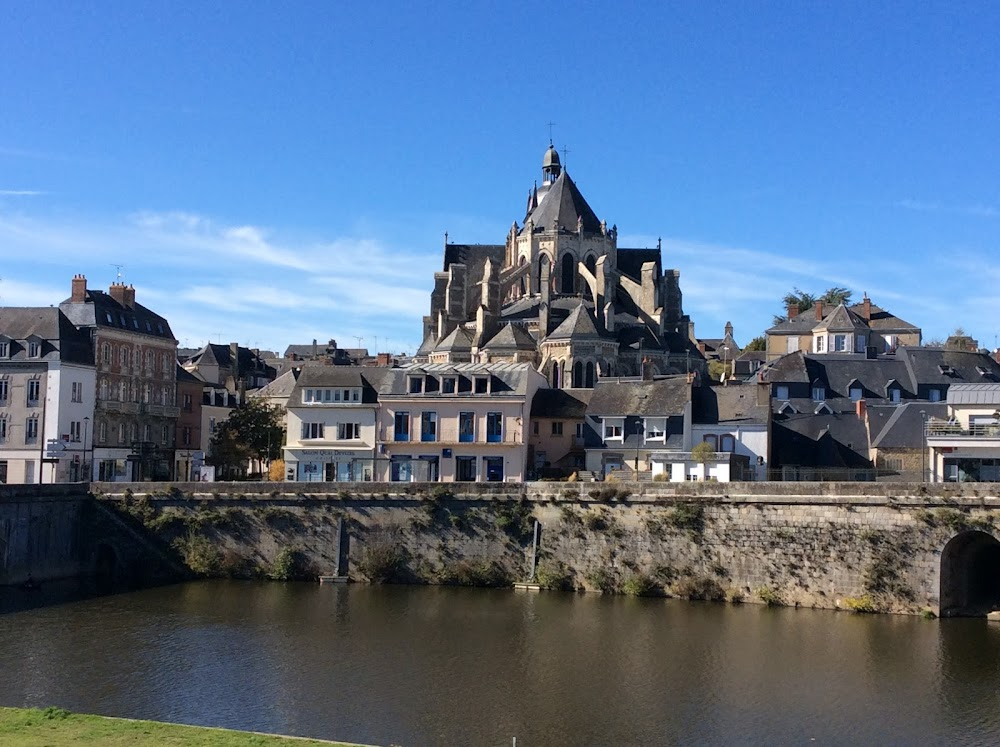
551, 166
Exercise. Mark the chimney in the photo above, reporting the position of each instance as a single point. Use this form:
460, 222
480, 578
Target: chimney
793, 310
860, 408
866, 308
701, 347
130, 297
117, 292
314, 349
819, 311
647, 370
79, 294
234, 359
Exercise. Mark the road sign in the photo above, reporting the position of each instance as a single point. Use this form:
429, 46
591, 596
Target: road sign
54, 448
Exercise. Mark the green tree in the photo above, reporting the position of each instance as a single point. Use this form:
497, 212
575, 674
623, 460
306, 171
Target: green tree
804, 301
254, 431
836, 296
703, 452
758, 344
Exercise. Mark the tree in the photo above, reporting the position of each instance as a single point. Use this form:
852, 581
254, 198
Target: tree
836, 296
254, 431
703, 452
757, 344
804, 301
719, 370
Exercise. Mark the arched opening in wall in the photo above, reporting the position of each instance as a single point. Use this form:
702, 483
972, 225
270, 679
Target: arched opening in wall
568, 274
522, 284
589, 376
970, 575
105, 562
555, 375
577, 375
591, 264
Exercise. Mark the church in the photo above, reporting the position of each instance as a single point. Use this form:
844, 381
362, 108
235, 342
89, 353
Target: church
560, 294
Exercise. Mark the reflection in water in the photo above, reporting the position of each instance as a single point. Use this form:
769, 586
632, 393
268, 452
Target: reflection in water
426, 666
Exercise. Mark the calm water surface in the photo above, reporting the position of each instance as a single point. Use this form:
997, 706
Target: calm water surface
440, 666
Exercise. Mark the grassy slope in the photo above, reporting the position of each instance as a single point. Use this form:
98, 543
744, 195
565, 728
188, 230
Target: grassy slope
54, 727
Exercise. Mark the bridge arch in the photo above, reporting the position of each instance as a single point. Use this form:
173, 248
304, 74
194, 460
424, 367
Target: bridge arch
970, 575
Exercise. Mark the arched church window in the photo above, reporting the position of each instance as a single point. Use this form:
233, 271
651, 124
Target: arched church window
589, 377
577, 375
568, 274
591, 263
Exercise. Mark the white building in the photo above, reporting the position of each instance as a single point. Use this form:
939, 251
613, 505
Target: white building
966, 446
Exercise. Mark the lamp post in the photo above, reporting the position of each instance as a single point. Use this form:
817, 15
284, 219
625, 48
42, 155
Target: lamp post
86, 435
923, 445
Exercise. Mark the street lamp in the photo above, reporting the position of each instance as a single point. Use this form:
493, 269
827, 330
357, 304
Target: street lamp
638, 440
923, 445
86, 435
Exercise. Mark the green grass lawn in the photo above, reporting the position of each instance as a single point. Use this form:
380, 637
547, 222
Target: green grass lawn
54, 727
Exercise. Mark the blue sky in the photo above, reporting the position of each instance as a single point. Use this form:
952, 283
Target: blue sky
275, 172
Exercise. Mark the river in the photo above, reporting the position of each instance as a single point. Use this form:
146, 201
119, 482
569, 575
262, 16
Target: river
447, 666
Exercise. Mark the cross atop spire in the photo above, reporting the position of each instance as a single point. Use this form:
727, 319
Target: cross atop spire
551, 125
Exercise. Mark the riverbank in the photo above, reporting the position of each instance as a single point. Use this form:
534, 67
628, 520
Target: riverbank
54, 727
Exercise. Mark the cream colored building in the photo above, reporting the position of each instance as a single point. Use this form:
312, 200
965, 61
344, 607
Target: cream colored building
965, 447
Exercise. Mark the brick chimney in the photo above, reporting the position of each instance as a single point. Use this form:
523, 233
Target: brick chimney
701, 347
130, 297
117, 292
861, 408
866, 308
819, 311
79, 294
793, 310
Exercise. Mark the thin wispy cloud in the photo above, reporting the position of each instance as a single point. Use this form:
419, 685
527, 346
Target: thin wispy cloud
21, 192
979, 210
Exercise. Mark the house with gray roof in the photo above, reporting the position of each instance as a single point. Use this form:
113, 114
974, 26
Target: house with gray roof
556, 440
963, 445
854, 329
47, 389
559, 293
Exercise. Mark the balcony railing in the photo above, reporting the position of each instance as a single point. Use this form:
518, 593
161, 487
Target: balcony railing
955, 430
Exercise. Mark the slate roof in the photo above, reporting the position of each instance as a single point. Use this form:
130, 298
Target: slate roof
962, 366
658, 397
511, 337
559, 403
508, 379
185, 376
99, 309
839, 440
373, 381
579, 324
221, 355
841, 320
459, 339
738, 403
60, 340
630, 262
560, 207
474, 257
881, 321
281, 386
902, 426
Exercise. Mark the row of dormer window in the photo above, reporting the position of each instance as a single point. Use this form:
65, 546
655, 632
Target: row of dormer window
448, 384
33, 347
324, 395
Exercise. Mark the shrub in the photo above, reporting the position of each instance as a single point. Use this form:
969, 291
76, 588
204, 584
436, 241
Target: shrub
640, 585
555, 576
199, 554
515, 519
689, 517
603, 579
884, 574
701, 588
769, 596
382, 559
862, 604
664, 573
479, 572
285, 566
595, 521
569, 515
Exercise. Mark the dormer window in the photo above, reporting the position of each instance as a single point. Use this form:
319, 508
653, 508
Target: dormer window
895, 395
818, 391
859, 344
856, 391
449, 385
946, 370
840, 343
781, 391
34, 349
482, 384
416, 384
820, 343
4, 349
934, 395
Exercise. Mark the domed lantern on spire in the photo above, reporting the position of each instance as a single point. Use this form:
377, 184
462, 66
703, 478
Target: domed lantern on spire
551, 166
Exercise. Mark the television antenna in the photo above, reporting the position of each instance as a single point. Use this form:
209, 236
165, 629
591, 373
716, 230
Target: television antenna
118, 272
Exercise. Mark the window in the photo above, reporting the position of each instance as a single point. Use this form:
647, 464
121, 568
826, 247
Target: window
416, 385
448, 385
186, 435
147, 433
401, 426
482, 384
557, 428
859, 344
3, 429
727, 443
3, 391
312, 430
188, 403
856, 392
121, 433
465, 468
76, 392
934, 395
34, 349
840, 343
212, 425
34, 387
612, 431
579, 430
894, 395
106, 353
348, 431
165, 362
428, 426
74, 430
165, 434
4, 350
820, 341
102, 430
818, 392
654, 430
3, 471
124, 357
145, 393
534, 427
890, 343
781, 391
494, 427
712, 440
149, 360
30, 430
466, 427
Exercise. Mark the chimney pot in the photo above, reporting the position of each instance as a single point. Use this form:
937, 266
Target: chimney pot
866, 308
793, 310
117, 292
819, 311
860, 407
79, 289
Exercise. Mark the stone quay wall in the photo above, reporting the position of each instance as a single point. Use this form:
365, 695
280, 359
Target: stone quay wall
866, 546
